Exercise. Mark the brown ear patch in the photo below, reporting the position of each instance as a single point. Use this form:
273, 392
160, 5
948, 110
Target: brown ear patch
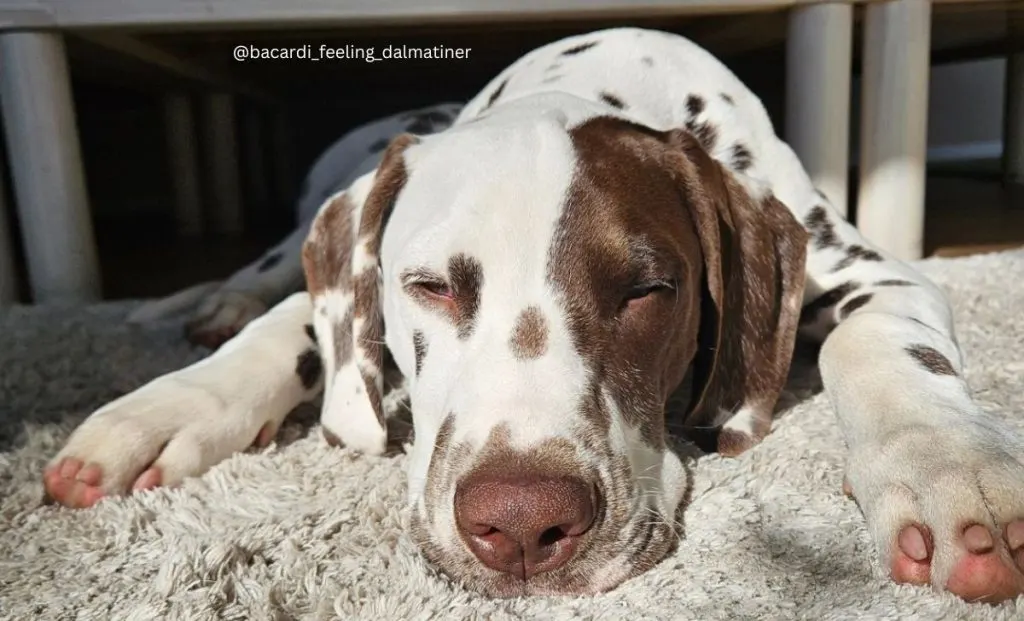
327, 251
754, 255
530, 335
388, 182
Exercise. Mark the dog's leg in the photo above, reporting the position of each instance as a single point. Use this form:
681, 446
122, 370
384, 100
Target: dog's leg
249, 292
940, 482
181, 424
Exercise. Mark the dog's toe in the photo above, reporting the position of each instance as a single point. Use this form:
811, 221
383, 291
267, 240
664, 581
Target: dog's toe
222, 316
983, 572
72, 483
150, 478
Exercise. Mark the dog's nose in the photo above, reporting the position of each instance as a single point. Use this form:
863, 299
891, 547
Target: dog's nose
524, 525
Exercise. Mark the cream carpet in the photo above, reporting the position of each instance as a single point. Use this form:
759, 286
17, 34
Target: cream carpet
303, 531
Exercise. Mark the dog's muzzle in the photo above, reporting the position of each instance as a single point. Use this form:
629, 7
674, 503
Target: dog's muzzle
526, 524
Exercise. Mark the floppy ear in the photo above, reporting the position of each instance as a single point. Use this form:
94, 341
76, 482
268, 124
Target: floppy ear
342, 257
754, 256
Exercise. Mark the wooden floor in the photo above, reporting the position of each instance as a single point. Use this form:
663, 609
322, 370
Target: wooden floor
965, 215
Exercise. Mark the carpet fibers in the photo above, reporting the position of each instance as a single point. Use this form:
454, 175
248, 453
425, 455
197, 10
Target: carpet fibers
304, 531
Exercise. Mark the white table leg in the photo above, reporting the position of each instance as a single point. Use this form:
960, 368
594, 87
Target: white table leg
818, 75
894, 123
46, 165
183, 157
221, 147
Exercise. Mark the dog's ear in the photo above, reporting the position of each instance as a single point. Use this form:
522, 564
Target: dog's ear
754, 253
341, 258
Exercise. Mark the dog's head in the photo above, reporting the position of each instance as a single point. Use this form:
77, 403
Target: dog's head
547, 290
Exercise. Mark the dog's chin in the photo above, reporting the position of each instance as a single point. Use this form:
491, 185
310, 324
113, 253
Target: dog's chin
590, 575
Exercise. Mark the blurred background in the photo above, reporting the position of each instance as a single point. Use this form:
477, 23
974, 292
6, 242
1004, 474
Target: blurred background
279, 115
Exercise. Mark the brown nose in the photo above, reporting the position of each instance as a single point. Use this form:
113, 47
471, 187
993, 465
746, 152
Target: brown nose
524, 525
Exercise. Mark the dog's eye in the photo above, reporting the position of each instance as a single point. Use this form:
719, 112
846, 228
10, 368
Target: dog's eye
642, 290
435, 288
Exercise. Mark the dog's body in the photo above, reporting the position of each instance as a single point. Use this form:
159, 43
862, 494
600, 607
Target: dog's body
609, 226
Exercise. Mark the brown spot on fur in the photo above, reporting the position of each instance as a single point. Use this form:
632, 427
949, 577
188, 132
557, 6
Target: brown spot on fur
497, 93
466, 277
705, 132
498, 457
576, 49
854, 304
931, 359
733, 442
821, 228
310, 332
419, 345
894, 282
742, 158
855, 253
331, 438
727, 98
309, 368
530, 335
694, 105
827, 300
612, 100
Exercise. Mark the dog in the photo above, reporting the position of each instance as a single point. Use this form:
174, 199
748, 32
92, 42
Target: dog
609, 242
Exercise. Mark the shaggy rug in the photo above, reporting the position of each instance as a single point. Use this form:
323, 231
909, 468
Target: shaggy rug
304, 531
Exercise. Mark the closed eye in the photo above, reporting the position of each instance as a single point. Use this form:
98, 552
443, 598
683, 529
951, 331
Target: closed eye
645, 289
427, 285
436, 288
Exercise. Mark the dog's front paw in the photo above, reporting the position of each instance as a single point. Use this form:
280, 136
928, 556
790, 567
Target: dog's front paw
946, 508
222, 315
158, 435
